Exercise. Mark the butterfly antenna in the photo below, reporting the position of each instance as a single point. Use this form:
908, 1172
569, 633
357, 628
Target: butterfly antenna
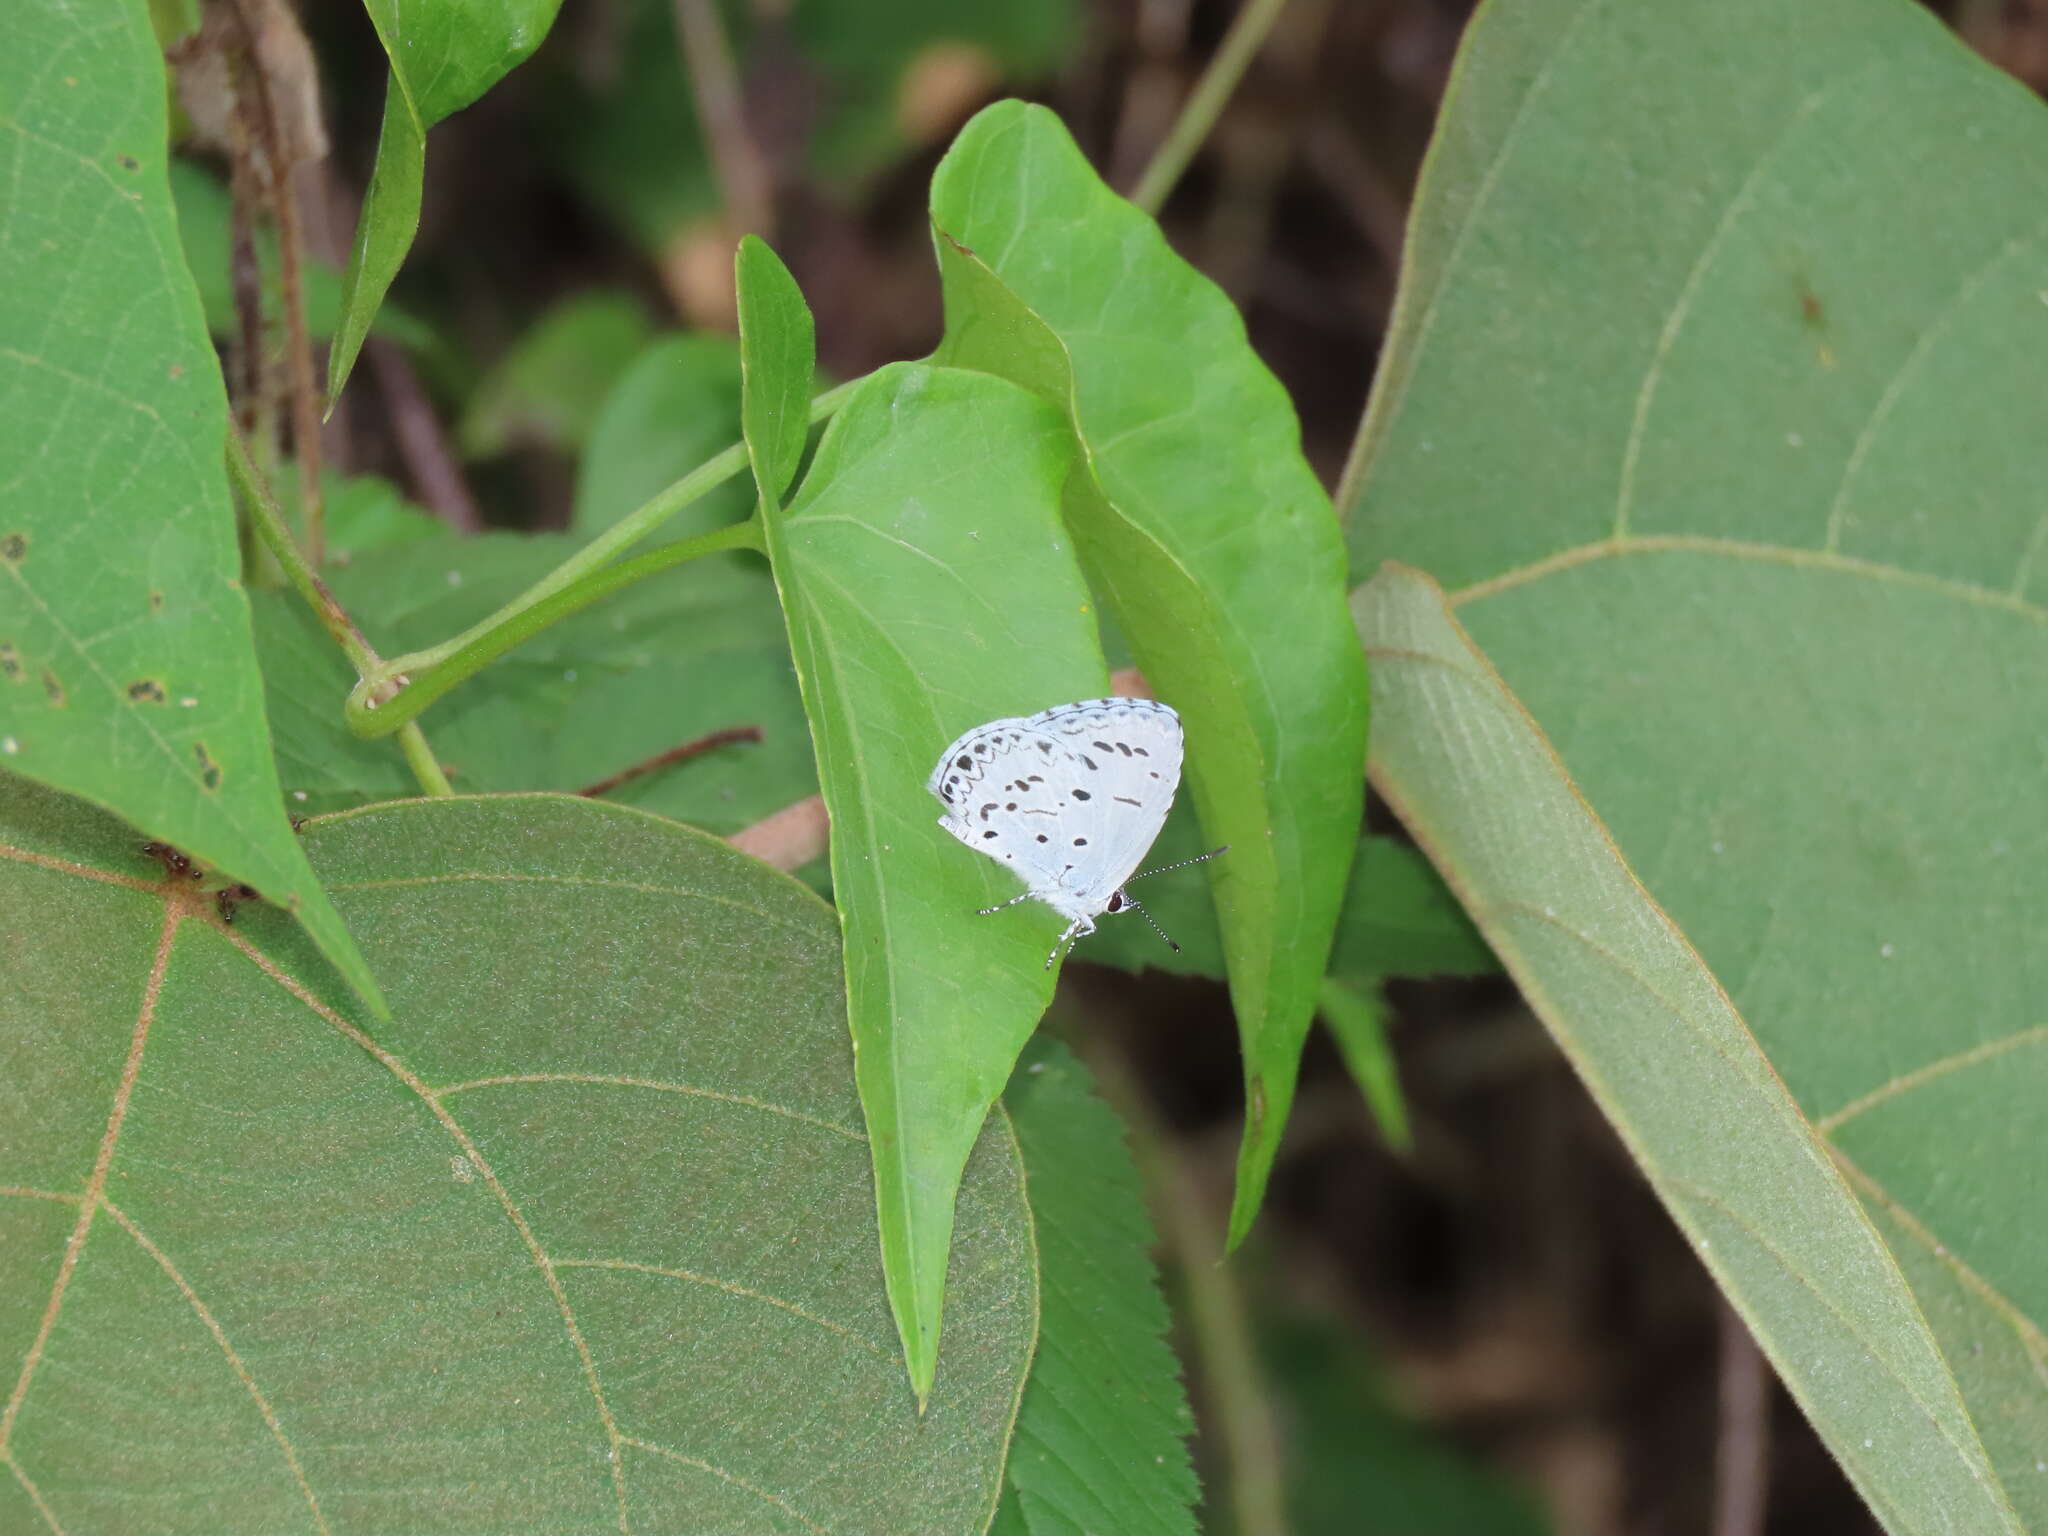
1148, 916
1162, 869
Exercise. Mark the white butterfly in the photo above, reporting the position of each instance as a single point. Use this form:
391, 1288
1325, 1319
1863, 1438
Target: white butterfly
1070, 798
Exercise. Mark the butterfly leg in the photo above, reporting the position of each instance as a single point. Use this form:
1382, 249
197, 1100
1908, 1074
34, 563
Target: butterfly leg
1077, 930
1002, 905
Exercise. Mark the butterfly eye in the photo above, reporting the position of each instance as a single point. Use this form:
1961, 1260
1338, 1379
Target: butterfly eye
1116, 902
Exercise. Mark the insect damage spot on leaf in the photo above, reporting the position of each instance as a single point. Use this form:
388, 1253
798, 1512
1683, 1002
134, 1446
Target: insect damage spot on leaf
10, 663
54, 687
128, 162
156, 602
146, 690
209, 770
13, 547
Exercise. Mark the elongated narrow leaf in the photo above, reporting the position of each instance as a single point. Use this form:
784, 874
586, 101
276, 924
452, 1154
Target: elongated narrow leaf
127, 671
1671, 1063
1713, 400
778, 354
1199, 520
444, 54
1102, 1437
582, 1241
929, 587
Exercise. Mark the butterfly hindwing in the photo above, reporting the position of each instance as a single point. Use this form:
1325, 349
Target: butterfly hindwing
1070, 798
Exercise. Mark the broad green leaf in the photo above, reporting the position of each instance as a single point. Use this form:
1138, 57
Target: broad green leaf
929, 587
127, 671
205, 234
549, 385
1711, 399
579, 1241
778, 354
1671, 1063
1201, 523
1101, 1441
444, 54
690, 651
674, 407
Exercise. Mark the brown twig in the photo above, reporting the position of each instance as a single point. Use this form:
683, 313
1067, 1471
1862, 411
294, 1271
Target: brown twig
681, 754
437, 478
1742, 1453
789, 839
261, 114
743, 176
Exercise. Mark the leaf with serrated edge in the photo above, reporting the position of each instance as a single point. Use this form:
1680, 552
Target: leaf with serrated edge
1671, 1064
1101, 1441
582, 1241
127, 669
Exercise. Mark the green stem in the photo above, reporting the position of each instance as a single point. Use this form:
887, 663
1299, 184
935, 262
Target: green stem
461, 658
439, 668
268, 521
412, 741
1204, 105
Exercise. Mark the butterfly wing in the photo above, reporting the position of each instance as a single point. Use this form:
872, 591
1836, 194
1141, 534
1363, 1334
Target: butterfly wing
998, 786
1124, 760
1070, 798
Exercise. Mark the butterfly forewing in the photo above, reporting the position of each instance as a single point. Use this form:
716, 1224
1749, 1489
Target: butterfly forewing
1070, 798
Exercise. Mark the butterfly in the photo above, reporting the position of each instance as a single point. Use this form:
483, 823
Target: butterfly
1070, 799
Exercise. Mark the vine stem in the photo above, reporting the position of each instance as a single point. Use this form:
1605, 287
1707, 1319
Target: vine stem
1205, 102
384, 700
268, 521
463, 657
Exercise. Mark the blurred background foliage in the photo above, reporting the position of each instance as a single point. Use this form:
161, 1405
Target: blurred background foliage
1464, 1312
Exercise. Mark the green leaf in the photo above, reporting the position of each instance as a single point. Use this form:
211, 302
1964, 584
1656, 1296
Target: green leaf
1712, 399
1355, 1012
693, 650
929, 587
778, 354
1101, 1441
676, 406
444, 54
583, 1236
1671, 1063
1206, 531
127, 670
549, 385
